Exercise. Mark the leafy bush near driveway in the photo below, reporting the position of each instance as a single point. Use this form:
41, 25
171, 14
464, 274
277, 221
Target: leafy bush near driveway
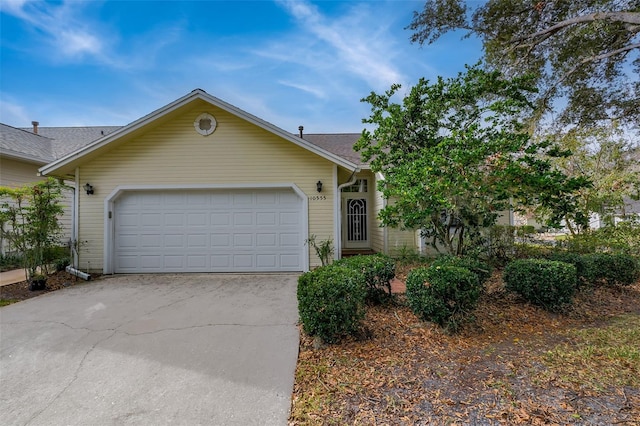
378, 271
610, 269
331, 302
481, 269
443, 294
549, 284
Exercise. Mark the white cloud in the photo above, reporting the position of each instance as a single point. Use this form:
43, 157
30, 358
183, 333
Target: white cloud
12, 113
67, 33
314, 90
366, 54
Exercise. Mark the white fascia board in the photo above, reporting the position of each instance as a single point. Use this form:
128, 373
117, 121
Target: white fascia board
196, 94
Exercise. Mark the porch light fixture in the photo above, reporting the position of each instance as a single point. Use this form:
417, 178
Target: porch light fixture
319, 186
87, 187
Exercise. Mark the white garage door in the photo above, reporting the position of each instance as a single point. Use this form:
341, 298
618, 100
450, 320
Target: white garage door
208, 231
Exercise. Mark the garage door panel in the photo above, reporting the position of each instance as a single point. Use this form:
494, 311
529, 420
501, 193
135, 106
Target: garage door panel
289, 218
197, 219
209, 231
243, 218
174, 219
221, 261
290, 260
243, 261
267, 261
197, 261
266, 240
222, 219
266, 218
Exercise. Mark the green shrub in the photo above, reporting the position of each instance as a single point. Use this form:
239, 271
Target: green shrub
331, 302
574, 259
610, 269
10, 261
546, 283
481, 269
623, 237
444, 295
378, 271
62, 263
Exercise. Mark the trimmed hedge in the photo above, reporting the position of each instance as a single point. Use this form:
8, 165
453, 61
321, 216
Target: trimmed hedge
481, 269
574, 259
549, 284
378, 271
610, 269
444, 295
331, 302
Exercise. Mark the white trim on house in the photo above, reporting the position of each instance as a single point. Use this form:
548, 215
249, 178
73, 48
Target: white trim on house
337, 235
109, 228
194, 95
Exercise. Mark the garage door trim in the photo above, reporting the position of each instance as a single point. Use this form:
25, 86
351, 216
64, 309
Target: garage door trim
109, 228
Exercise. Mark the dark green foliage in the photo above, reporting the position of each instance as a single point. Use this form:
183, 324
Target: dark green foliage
378, 271
10, 261
455, 152
573, 259
610, 269
444, 295
331, 302
546, 283
478, 267
62, 263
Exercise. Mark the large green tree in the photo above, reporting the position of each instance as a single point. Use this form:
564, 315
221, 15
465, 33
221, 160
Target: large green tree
455, 153
584, 52
610, 162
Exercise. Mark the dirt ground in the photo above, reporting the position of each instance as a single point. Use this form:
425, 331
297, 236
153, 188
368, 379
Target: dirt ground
20, 291
406, 372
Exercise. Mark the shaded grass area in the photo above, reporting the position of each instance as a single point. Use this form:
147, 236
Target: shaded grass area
515, 364
595, 358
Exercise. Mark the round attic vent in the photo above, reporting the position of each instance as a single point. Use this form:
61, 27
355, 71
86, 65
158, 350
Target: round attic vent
205, 124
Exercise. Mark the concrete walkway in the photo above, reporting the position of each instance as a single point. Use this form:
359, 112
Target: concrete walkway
189, 349
10, 277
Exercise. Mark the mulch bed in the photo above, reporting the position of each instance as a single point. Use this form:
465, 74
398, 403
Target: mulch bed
402, 371
56, 281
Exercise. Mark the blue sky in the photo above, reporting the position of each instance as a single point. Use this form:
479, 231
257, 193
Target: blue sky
77, 63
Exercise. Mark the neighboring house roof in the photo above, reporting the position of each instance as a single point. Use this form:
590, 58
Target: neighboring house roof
23, 145
66, 163
340, 144
65, 140
49, 144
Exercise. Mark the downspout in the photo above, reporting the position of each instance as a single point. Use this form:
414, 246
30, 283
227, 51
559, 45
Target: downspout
75, 225
352, 180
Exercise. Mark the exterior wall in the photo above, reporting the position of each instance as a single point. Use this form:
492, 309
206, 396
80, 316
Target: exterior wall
396, 239
15, 173
505, 218
173, 153
399, 240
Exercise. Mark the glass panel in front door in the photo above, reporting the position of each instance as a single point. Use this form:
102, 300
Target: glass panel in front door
357, 220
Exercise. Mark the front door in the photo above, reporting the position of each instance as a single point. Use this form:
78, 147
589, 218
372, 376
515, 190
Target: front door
355, 215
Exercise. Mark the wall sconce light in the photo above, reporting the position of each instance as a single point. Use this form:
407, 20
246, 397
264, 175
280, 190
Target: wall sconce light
87, 187
319, 186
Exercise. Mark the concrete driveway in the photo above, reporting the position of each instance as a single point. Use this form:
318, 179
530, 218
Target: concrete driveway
211, 349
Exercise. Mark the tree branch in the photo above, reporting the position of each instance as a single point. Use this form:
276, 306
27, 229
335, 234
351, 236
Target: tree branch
626, 17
